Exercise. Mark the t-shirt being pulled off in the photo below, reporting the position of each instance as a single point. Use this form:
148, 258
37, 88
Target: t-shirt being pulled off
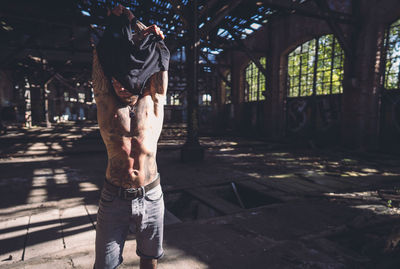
130, 63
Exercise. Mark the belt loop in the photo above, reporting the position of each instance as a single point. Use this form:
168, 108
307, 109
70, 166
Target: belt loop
143, 191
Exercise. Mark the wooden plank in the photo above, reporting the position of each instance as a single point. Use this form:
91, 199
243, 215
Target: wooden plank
334, 183
295, 186
267, 190
214, 201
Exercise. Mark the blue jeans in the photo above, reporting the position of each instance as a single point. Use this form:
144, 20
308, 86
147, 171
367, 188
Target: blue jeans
114, 218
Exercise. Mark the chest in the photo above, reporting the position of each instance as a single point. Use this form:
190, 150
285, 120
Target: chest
124, 121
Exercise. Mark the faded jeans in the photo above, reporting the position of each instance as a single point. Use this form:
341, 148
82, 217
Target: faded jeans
114, 218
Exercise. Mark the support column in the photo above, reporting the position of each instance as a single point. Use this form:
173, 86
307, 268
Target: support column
46, 102
360, 100
192, 150
28, 106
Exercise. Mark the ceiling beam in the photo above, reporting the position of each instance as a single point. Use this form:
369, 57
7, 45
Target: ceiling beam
212, 65
218, 18
208, 27
14, 53
48, 48
248, 52
206, 9
179, 9
335, 27
302, 9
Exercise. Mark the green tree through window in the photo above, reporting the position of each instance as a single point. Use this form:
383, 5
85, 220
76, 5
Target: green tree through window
254, 82
392, 44
316, 66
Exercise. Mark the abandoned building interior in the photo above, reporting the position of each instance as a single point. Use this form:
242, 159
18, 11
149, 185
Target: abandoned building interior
280, 144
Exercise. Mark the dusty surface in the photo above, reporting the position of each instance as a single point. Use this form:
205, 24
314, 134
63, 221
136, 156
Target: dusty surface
293, 207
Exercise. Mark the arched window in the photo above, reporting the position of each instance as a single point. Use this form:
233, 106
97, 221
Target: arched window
254, 84
392, 44
316, 66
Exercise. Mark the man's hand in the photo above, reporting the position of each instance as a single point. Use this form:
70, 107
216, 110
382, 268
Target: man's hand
120, 9
153, 29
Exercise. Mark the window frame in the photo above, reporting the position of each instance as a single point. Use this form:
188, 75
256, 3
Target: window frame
260, 78
173, 98
315, 68
205, 99
387, 43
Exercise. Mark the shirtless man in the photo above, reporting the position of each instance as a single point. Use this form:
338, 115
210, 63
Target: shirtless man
130, 126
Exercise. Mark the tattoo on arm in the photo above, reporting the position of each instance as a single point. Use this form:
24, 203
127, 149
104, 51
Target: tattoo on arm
161, 82
101, 84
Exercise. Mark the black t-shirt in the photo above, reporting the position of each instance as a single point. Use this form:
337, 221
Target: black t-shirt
129, 63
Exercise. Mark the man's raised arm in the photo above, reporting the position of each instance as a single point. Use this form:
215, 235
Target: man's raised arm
101, 84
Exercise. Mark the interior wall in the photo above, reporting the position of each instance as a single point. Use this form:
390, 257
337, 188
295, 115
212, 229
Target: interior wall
354, 118
285, 34
362, 107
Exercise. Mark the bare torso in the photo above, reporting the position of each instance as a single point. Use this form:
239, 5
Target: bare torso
130, 132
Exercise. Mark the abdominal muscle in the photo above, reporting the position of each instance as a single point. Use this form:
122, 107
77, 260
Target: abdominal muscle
132, 145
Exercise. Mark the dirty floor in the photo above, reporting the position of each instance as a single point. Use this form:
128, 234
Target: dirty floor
249, 204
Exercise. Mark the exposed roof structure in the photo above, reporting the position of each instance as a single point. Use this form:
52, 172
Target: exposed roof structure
55, 35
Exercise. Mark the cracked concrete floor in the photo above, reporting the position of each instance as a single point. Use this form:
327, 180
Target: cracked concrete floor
250, 204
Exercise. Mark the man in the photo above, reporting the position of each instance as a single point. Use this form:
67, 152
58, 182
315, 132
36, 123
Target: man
130, 126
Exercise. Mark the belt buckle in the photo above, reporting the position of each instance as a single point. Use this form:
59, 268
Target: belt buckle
131, 193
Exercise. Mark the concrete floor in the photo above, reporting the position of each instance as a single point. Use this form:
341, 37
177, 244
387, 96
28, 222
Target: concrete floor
297, 207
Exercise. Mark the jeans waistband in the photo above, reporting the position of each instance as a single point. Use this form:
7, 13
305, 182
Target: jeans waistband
131, 193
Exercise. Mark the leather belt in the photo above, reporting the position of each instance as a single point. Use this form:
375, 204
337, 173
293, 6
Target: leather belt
131, 193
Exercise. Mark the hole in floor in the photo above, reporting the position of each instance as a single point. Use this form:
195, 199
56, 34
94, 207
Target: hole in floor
185, 207
243, 196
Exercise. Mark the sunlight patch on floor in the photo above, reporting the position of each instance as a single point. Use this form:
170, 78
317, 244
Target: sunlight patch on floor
87, 186
38, 191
